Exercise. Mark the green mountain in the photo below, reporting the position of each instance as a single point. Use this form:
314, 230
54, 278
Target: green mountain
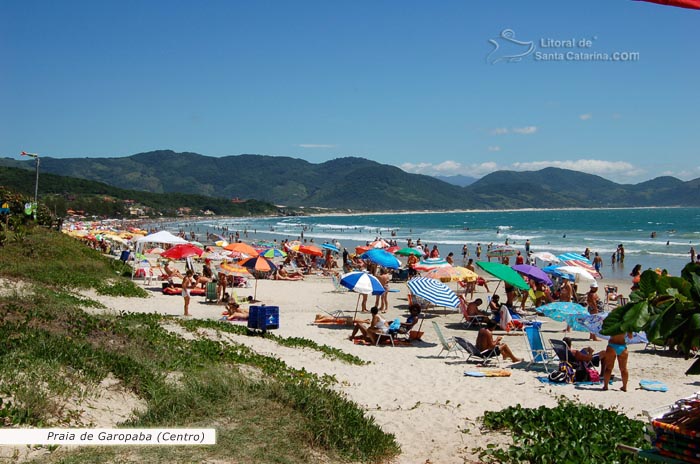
361, 184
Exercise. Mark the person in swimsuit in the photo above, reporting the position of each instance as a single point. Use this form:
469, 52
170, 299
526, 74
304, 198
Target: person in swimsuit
377, 325
187, 283
616, 349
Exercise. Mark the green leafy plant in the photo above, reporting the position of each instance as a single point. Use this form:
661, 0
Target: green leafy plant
569, 432
667, 308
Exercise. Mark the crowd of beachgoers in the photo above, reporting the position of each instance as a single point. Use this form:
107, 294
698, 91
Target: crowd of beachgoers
419, 384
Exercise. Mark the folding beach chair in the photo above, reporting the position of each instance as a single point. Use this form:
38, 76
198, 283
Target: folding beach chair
211, 293
337, 288
539, 354
449, 345
483, 356
468, 319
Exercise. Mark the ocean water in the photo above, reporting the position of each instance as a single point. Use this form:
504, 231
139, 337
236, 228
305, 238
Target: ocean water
555, 231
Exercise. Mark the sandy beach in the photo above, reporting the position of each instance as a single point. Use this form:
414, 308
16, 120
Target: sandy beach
426, 400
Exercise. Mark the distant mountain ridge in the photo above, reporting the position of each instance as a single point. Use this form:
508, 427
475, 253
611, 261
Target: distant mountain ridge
361, 184
459, 180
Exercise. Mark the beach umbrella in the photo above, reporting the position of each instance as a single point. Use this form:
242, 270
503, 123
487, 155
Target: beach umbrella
408, 251
214, 256
255, 265
504, 273
293, 245
434, 291
594, 324
155, 251
545, 256
330, 246
563, 311
232, 269
499, 252
221, 243
392, 249
533, 272
183, 250
312, 250
273, 253
197, 244
579, 274
361, 249
382, 258
362, 283
430, 263
240, 247
575, 259
381, 243
452, 273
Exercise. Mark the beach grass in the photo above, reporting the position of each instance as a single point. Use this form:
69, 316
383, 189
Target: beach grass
51, 350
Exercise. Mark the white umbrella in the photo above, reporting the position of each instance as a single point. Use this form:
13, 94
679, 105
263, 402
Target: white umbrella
579, 273
545, 256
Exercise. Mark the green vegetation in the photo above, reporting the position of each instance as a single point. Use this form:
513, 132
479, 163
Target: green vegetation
59, 193
667, 308
570, 432
53, 354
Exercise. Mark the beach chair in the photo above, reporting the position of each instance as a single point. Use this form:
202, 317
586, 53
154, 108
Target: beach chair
448, 345
337, 288
468, 319
211, 293
483, 356
564, 354
539, 354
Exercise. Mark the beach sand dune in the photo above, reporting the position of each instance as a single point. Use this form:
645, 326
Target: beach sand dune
425, 400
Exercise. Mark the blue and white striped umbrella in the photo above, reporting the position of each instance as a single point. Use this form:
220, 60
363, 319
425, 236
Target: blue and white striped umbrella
434, 291
362, 282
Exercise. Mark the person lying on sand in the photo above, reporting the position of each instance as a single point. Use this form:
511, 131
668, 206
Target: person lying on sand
281, 274
235, 313
347, 320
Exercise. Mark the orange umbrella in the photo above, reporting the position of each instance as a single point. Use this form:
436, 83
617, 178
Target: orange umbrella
311, 250
361, 249
233, 269
241, 247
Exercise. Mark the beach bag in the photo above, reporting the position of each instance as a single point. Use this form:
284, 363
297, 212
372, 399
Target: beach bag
565, 373
395, 325
593, 375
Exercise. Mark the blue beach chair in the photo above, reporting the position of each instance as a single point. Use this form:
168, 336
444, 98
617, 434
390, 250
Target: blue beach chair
539, 354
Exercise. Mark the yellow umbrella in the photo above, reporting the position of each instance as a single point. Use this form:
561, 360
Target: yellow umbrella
452, 273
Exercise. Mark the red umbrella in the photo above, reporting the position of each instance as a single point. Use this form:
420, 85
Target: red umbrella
691, 4
311, 250
183, 250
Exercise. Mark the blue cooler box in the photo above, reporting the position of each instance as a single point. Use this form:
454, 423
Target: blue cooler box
264, 317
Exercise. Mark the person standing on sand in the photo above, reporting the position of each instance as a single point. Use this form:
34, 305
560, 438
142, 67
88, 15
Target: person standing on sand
186, 285
384, 279
478, 251
616, 349
692, 254
593, 303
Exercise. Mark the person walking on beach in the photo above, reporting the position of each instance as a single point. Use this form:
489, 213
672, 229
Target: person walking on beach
465, 253
598, 264
186, 285
478, 251
527, 247
692, 254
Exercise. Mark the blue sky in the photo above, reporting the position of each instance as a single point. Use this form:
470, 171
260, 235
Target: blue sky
405, 83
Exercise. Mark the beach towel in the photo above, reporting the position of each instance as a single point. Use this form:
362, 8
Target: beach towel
488, 373
653, 385
545, 379
383, 341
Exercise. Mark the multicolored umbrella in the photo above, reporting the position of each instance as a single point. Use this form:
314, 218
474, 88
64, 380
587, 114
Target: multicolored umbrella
505, 273
574, 259
533, 272
382, 258
255, 265
499, 252
232, 269
381, 243
430, 264
273, 253
436, 292
545, 256
181, 251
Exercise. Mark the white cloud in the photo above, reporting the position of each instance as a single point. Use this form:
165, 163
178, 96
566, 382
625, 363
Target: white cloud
527, 130
316, 145
585, 117
494, 148
499, 131
619, 171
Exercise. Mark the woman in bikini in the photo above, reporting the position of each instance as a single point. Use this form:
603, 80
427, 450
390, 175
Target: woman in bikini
187, 283
616, 349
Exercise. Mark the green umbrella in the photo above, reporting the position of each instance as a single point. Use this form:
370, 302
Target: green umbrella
408, 251
505, 273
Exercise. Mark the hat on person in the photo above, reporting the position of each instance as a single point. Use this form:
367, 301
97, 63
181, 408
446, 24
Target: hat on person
594, 285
